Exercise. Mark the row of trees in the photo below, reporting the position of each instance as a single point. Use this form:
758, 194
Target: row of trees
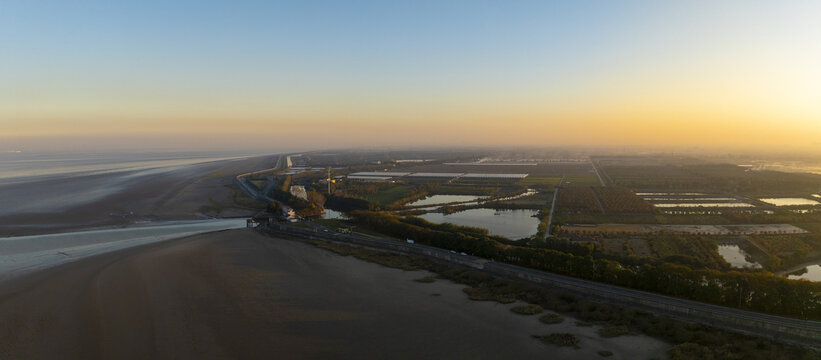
761, 292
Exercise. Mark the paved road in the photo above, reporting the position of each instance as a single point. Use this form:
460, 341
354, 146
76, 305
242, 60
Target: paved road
789, 330
251, 190
596, 170
552, 208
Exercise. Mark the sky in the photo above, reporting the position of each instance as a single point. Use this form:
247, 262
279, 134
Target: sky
203, 75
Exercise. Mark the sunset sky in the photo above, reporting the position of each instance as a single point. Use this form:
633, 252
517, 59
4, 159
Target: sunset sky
318, 74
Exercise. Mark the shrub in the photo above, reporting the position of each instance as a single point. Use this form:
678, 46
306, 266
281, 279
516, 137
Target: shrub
529, 309
551, 318
613, 331
559, 339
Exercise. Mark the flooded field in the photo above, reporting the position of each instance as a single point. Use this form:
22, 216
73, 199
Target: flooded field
736, 257
811, 273
790, 201
443, 199
512, 224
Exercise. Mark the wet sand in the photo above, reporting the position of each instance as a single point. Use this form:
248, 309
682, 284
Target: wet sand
239, 294
58, 203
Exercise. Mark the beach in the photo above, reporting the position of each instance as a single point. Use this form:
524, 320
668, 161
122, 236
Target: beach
240, 294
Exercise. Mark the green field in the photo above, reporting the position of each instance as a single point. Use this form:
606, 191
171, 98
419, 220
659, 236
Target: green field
544, 181
389, 195
590, 180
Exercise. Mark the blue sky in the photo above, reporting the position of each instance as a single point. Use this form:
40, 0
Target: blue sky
97, 67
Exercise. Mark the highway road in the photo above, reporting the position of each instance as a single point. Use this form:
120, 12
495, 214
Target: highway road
783, 329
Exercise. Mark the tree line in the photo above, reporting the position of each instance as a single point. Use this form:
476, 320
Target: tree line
762, 292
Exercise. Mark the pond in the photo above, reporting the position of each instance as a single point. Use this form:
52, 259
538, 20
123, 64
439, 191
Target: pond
443, 199
512, 224
736, 257
811, 273
790, 201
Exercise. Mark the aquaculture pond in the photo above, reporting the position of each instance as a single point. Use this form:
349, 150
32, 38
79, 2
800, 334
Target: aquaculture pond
706, 205
790, 201
443, 199
512, 224
736, 257
811, 273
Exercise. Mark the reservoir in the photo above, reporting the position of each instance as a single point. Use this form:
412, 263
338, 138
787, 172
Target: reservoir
512, 224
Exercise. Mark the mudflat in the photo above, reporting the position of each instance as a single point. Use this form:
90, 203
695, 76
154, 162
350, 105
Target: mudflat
240, 294
51, 204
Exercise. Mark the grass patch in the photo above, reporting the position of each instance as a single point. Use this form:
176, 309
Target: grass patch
545, 181
551, 318
529, 309
483, 294
613, 331
331, 224
559, 339
605, 353
426, 279
389, 195
385, 259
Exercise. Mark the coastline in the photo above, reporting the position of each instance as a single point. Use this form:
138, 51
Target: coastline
78, 202
241, 294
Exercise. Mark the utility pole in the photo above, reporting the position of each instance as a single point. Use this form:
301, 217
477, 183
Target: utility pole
329, 180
